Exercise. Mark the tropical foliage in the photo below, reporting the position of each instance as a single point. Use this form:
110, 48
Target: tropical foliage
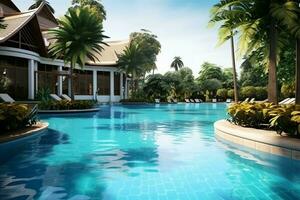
261, 26
39, 2
66, 105
16, 116
282, 118
96, 6
177, 63
78, 37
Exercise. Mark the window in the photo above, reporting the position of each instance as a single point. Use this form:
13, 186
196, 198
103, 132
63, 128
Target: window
14, 71
47, 77
103, 83
117, 82
83, 82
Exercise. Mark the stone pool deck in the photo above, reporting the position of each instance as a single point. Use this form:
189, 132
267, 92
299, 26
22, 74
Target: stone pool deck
261, 140
29, 131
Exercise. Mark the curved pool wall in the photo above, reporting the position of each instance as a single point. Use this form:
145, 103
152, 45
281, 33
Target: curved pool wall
143, 152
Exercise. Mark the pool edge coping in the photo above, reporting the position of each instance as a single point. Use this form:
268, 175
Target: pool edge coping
68, 111
261, 140
10, 138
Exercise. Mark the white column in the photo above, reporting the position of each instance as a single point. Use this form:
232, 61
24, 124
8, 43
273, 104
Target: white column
31, 65
112, 86
59, 81
126, 88
121, 86
69, 85
95, 87
36, 75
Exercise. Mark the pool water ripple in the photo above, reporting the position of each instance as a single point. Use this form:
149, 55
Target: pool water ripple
153, 152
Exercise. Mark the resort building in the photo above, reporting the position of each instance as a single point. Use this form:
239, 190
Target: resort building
25, 62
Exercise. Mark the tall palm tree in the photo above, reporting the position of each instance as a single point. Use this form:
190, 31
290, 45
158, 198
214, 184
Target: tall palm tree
229, 27
130, 63
258, 23
39, 2
177, 63
79, 36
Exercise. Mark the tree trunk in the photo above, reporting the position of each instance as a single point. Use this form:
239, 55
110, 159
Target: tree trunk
272, 82
71, 82
235, 86
297, 84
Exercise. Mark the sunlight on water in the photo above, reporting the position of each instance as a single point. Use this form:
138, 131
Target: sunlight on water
142, 152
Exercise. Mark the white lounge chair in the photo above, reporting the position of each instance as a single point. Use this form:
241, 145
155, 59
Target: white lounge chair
157, 100
175, 100
246, 100
283, 101
228, 100
197, 101
252, 100
214, 100
187, 101
6, 98
66, 97
55, 97
192, 101
290, 101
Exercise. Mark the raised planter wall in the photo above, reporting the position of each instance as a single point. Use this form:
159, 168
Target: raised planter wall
260, 140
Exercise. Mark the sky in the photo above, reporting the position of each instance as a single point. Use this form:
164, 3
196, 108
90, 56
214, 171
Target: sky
181, 27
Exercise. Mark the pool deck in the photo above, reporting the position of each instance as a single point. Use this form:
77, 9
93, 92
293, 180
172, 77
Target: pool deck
29, 131
260, 140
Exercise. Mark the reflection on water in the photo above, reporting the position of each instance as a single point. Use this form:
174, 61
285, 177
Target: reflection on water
141, 152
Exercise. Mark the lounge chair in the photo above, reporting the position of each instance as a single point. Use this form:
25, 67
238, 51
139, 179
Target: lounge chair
157, 100
246, 100
192, 101
228, 100
290, 101
55, 97
174, 100
6, 98
214, 100
169, 101
66, 97
187, 101
252, 100
197, 101
283, 101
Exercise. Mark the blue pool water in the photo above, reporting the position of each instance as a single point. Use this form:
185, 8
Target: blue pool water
162, 152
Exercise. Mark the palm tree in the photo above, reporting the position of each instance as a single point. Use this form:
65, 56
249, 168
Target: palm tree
79, 36
177, 63
130, 63
258, 23
39, 2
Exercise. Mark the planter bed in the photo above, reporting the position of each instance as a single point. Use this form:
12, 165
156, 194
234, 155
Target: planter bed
68, 111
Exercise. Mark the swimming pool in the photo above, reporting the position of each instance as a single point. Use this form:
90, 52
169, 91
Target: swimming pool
153, 152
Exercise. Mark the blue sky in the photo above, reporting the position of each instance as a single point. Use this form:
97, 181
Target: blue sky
181, 27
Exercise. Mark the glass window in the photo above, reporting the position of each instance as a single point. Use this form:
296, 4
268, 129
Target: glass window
47, 77
14, 75
117, 82
103, 83
83, 82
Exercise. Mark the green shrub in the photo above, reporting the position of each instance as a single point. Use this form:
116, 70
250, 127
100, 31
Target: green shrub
222, 93
261, 93
66, 105
248, 92
16, 116
288, 90
281, 118
230, 93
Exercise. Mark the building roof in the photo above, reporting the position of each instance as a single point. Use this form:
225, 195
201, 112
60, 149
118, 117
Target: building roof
9, 7
109, 55
14, 24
